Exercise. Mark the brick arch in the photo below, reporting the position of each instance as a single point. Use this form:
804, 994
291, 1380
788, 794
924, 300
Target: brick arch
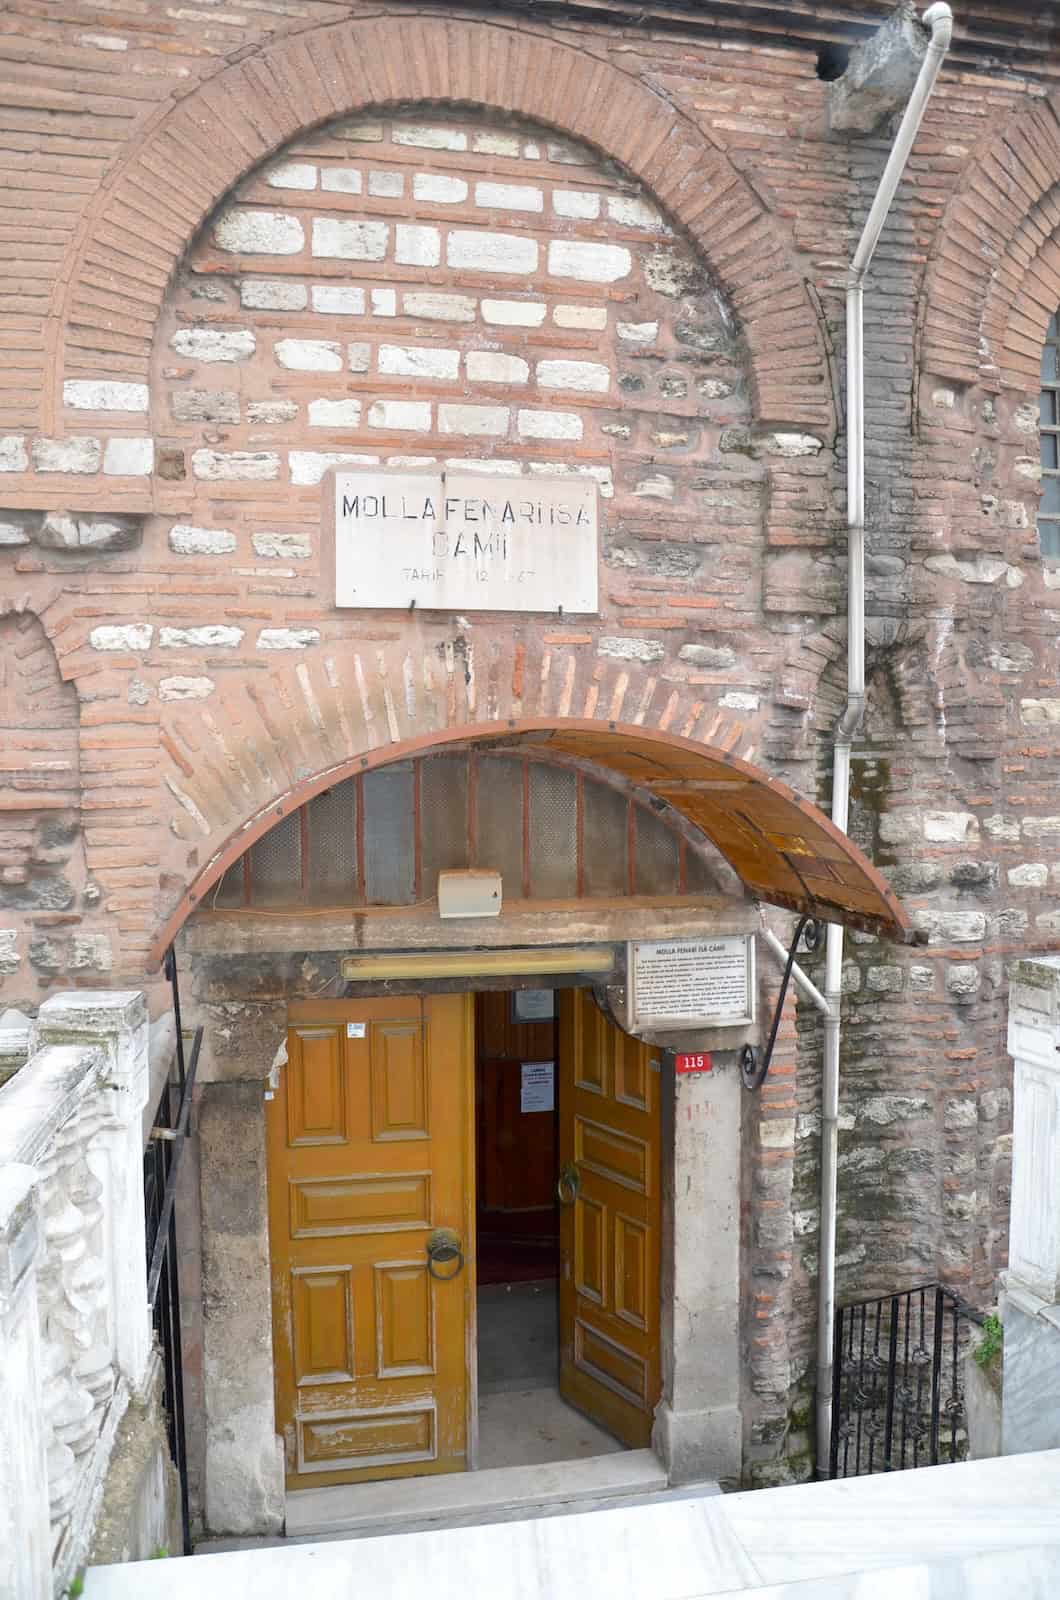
134, 235
233, 765
249, 777
994, 278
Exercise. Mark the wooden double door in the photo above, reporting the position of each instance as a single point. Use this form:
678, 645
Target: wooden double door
371, 1142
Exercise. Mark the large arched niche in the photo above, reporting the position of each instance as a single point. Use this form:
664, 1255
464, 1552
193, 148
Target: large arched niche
134, 235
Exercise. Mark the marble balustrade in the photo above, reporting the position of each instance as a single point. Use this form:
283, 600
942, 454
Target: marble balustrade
75, 1337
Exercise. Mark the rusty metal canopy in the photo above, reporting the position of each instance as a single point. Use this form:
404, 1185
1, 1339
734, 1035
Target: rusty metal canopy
786, 851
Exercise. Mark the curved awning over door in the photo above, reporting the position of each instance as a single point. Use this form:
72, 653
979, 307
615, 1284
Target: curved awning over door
783, 848
786, 851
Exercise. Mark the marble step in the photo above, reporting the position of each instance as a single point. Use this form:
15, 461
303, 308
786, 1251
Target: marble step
461, 1499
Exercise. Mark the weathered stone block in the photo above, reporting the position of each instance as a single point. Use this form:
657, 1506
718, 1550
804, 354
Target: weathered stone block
185, 540
75, 455
510, 196
334, 413
287, 638
493, 366
13, 457
623, 649
588, 261
309, 466
282, 546
340, 180
292, 175
481, 420
237, 465
129, 458
413, 415
439, 189
514, 313
581, 204
879, 75
549, 425
214, 344
423, 137
590, 376
340, 300
418, 361
350, 241
178, 688
204, 405
105, 394
213, 635
264, 233
273, 294
491, 252
309, 355
440, 307
416, 246
122, 636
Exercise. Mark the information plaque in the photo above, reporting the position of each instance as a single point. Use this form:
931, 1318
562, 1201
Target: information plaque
464, 541
701, 983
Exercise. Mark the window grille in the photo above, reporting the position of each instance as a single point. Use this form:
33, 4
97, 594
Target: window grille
553, 832
1049, 510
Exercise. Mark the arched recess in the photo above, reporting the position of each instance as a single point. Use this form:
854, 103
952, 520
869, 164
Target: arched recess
784, 850
132, 238
994, 278
40, 801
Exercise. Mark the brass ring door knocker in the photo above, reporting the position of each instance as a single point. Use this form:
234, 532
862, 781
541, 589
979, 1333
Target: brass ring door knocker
443, 1249
568, 1184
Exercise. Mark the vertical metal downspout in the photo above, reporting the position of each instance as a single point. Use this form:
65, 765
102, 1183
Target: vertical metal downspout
939, 18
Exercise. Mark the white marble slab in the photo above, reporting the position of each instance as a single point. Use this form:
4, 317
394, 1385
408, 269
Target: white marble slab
934, 1513
977, 1531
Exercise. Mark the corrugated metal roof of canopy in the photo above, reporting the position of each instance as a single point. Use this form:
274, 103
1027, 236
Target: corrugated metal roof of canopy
784, 849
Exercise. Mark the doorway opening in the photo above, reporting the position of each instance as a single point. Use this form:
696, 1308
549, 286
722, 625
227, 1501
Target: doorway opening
390, 1359
523, 1420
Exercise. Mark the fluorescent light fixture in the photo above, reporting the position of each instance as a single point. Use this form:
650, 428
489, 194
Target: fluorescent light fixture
523, 963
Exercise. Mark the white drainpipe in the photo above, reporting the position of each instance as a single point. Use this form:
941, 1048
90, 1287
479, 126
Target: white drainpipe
939, 18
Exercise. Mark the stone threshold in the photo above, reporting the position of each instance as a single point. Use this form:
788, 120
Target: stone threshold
469, 1499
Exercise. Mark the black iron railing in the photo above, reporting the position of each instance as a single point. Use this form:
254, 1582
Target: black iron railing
161, 1163
897, 1394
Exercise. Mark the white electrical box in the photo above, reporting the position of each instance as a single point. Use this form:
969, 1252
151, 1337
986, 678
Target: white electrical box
475, 893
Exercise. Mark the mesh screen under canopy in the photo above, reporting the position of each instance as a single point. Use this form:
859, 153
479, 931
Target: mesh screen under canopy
382, 837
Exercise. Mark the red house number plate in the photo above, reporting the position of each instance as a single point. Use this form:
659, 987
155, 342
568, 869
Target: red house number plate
693, 1063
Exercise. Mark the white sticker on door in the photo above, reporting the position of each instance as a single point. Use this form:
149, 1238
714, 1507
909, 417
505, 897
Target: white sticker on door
537, 1091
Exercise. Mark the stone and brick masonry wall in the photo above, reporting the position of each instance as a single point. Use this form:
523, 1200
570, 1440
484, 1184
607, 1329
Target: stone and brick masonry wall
629, 262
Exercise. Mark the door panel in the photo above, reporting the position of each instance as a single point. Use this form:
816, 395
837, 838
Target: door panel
609, 1232
369, 1139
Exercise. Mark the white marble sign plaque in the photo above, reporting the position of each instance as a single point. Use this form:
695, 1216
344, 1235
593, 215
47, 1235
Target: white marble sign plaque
692, 982
464, 541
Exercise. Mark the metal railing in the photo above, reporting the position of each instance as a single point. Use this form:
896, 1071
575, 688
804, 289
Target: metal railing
897, 1394
161, 1163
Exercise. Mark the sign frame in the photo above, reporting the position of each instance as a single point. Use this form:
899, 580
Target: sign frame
531, 546
688, 1019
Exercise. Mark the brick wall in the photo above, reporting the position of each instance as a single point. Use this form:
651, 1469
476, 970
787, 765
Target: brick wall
629, 261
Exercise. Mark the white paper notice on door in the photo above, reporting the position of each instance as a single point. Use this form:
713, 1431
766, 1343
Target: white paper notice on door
537, 1089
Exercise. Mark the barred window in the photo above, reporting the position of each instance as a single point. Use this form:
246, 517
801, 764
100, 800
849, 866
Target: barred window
1049, 510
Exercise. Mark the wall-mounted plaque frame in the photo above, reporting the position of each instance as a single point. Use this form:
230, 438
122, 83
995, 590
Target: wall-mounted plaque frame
465, 541
691, 983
